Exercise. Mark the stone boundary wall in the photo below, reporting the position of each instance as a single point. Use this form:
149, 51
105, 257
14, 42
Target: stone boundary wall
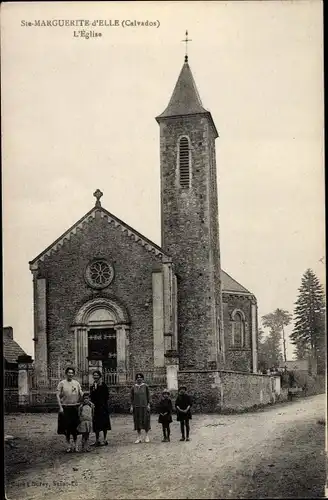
212, 392
224, 391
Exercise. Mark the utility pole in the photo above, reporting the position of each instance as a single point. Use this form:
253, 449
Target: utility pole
284, 342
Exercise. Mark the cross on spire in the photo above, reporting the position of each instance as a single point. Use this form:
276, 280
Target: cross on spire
186, 40
98, 194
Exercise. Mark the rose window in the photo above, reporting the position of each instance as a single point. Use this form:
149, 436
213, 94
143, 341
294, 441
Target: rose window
99, 274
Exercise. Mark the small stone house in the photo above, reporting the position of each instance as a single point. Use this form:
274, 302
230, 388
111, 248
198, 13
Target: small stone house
11, 350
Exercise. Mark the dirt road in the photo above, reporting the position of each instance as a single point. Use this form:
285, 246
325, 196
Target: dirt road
275, 453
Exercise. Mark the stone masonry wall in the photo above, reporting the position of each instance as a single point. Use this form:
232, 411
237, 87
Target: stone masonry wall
211, 391
238, 359
67, 289
242, 391
220, 391
215, 239
188, 239
204, 389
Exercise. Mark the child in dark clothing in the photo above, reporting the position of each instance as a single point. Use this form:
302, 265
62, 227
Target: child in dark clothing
183, 405
165, 414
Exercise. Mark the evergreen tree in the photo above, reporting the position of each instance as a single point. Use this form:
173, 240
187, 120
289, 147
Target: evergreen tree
302, 351
309, 329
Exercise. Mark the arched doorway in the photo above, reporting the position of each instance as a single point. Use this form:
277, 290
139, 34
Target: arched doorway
101, 333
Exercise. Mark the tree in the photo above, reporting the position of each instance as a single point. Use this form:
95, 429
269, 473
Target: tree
269, 353
276, 322
263, 360
309, 329
269, 350
302, 351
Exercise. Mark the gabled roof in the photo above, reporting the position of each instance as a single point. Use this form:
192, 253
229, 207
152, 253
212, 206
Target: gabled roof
185, 99
231, 285
228, 283
11, 350
111, 219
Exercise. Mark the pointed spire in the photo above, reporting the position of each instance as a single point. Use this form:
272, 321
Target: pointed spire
185, 99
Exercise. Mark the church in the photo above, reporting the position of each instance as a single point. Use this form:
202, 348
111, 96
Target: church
107, 297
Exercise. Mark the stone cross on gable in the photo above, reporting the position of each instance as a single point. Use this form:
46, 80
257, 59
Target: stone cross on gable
98, 194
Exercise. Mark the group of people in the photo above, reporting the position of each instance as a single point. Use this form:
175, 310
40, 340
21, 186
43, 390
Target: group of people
81, 413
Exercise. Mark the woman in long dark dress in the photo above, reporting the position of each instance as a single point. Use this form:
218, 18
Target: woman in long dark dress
99, 396
140, 407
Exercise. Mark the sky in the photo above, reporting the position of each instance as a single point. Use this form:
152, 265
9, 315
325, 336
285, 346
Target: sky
79, 114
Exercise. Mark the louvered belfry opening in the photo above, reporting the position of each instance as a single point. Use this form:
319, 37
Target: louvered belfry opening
184, 163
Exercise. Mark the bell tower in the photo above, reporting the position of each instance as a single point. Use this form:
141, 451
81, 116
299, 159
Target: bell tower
189, 218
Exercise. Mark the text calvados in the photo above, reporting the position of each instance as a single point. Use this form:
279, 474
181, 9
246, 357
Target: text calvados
84, 23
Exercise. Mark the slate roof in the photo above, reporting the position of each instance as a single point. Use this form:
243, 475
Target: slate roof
231, 285
11, 350
185, 99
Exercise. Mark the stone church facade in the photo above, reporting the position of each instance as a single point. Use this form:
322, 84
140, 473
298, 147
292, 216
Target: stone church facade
106, 296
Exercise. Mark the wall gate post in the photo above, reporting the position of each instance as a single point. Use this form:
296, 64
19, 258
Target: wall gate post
24, 379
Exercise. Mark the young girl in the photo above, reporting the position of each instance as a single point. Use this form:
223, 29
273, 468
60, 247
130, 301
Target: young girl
86, 413
140, 407
165, 414
183, 405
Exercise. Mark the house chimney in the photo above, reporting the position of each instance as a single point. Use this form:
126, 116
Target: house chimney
8, 332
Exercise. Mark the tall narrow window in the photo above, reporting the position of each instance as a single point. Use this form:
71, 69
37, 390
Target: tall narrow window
238, 330
184, 163
238, 326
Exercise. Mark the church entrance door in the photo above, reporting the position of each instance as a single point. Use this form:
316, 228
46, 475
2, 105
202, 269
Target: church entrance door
102, 347
101, 331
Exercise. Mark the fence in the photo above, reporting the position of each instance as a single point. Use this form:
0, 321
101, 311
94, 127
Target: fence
11, 379
31, 388
11, 389
152, 377
37, 389
49, 380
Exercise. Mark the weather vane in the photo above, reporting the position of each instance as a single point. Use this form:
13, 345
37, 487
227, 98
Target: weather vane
186, 40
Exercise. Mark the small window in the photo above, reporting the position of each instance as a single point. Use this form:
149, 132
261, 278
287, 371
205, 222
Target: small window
219, 333
184, 163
